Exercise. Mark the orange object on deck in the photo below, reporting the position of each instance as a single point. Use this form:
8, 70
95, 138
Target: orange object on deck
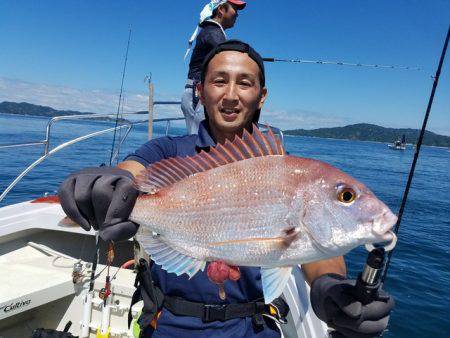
47, 199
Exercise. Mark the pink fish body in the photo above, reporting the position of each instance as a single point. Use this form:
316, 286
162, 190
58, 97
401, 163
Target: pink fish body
249, 204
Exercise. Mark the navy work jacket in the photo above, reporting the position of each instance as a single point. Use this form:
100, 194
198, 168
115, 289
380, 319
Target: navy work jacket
199, 288
209, 37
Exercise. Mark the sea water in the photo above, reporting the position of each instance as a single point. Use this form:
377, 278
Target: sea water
419, 276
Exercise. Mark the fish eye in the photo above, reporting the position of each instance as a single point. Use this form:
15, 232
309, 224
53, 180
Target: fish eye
346, 195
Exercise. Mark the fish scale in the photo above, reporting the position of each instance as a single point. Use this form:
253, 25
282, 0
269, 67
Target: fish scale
248, 210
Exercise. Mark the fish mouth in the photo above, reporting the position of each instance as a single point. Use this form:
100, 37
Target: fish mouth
382, 225
391, 241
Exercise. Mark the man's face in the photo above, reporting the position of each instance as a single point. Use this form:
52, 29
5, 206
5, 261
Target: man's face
231, 92
229, 15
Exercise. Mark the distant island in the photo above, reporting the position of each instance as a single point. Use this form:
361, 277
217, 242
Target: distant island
360, 132
372, 132
24, 108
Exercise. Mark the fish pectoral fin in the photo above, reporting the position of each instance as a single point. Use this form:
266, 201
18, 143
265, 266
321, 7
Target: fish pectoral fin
274, 281
170, 259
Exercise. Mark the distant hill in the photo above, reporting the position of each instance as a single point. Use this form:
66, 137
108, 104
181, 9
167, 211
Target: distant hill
24, 108
372, 132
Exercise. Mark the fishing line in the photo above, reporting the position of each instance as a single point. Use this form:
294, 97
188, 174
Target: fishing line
120, 131
82, 247
120, 97
340, 63
94, 262
416, 154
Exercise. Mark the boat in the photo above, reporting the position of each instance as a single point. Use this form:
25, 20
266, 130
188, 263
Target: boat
46, 262
399, 144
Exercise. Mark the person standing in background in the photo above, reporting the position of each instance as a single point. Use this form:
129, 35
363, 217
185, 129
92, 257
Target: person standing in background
216, 17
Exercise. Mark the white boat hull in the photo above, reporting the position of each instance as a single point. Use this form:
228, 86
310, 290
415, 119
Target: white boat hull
38, 291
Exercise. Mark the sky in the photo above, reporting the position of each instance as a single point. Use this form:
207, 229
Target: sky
70, 55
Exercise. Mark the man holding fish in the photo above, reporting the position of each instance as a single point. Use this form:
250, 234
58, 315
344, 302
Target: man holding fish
226, 214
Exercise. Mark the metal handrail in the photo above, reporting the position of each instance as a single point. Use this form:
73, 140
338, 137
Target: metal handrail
275, 130
16, 145
167, 120
73, 117
55, 119
48, 154
166, 102
46, 142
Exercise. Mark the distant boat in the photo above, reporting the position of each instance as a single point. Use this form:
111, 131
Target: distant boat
399, 144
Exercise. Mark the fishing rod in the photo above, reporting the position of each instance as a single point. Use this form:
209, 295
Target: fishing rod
120, 97
339, 63
418, 146
106, 290
373, 276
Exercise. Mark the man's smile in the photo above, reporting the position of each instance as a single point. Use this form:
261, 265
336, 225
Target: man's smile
229, 110
229, 114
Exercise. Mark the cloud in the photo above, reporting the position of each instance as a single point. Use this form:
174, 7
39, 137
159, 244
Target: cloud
69, 98
300, 118
105, 102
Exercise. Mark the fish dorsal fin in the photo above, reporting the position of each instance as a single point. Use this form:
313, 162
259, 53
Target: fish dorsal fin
168, 171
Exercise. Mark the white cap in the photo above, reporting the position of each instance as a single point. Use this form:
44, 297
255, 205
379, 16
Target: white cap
205, 14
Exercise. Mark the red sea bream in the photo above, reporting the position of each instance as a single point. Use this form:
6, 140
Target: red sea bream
248, 203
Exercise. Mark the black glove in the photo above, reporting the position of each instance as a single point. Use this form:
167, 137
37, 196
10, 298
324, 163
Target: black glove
334, 302
103, 198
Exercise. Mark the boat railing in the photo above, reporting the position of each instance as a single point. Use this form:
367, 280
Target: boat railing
48, 151
125, 124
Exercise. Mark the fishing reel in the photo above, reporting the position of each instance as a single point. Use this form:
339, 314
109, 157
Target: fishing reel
369, 280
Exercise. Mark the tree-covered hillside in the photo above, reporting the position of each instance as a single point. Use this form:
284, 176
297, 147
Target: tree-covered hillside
24, 108
371, 132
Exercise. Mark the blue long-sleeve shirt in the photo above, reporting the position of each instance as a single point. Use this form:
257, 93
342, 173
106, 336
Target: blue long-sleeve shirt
209, 37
